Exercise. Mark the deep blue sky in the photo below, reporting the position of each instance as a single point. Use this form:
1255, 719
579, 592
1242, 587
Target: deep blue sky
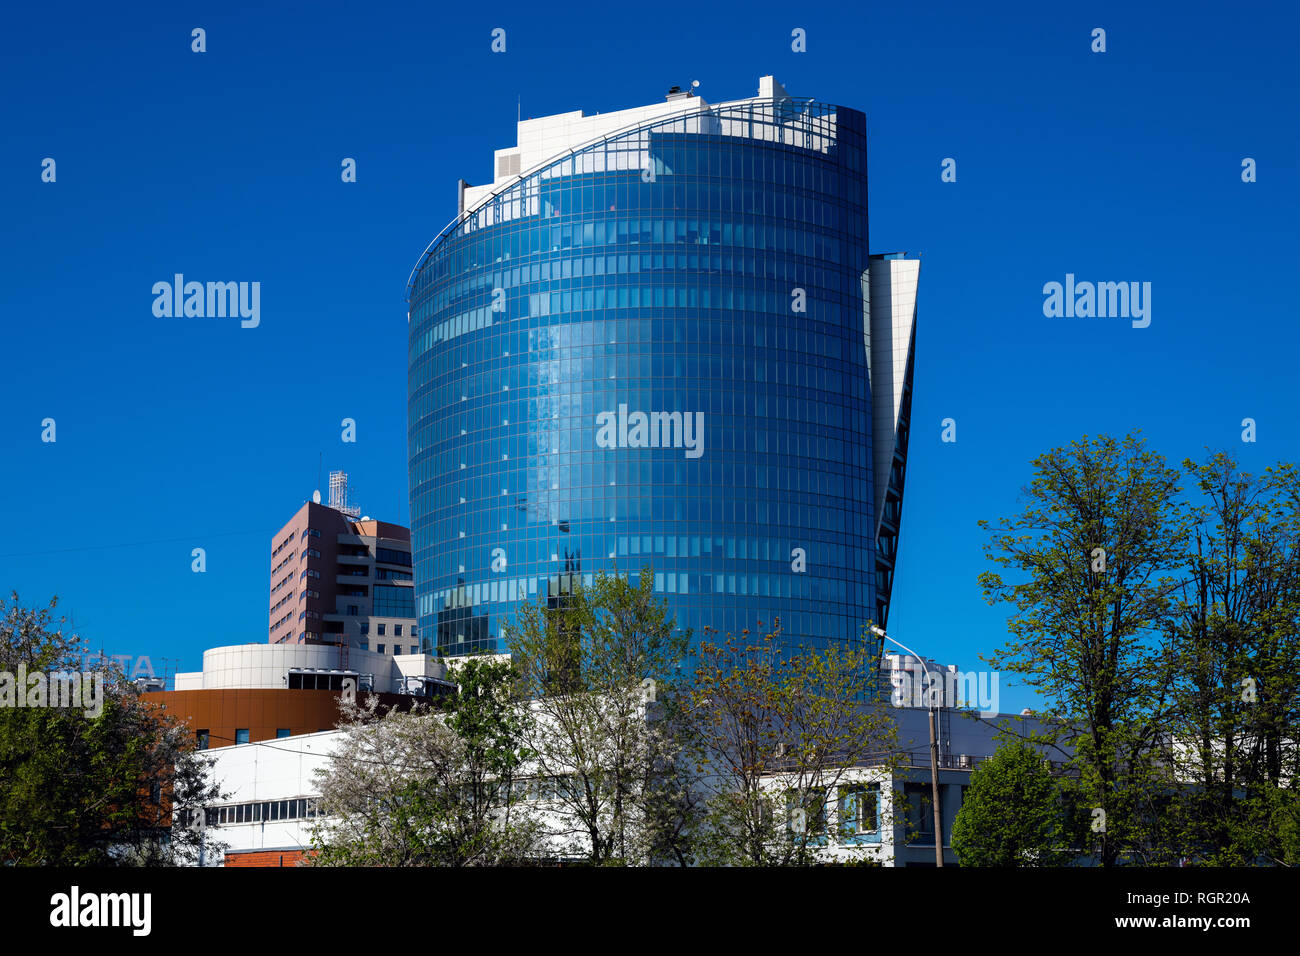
175, 434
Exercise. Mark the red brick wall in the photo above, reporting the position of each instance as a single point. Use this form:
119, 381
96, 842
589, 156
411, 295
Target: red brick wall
259, 710
265, 857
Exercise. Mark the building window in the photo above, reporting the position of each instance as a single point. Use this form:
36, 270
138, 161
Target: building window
397, 631
413, 649
201, 739
365, 627
379, 648
389, 556
281, 732
298, 680
241, 735
920, 812
352, 610
381, 630
859, 810
393, 601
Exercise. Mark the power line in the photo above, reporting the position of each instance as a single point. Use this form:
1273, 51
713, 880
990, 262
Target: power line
136, 544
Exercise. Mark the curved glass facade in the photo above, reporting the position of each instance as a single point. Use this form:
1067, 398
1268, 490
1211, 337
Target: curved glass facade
651, 352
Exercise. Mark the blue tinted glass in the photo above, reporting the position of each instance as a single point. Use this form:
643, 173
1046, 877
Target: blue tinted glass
651, 354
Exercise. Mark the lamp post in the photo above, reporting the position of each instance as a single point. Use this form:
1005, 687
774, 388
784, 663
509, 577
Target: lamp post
931, 721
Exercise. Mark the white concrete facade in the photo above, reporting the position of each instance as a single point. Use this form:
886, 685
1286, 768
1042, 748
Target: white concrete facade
249, 666
270, 793
891, 333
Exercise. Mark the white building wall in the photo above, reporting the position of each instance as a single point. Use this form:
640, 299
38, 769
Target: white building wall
891, 326
284, 769
271, 770
545, 138
549, 137
249, 666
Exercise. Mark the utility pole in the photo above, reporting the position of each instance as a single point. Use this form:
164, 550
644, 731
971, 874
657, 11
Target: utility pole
931, 720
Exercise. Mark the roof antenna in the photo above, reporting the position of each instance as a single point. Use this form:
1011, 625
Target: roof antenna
677, 93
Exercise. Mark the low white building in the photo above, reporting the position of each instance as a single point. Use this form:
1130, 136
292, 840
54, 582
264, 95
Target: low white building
869, 812
307, 666
883, 815
270, 800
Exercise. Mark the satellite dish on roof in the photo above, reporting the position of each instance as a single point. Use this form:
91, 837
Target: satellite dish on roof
315, 496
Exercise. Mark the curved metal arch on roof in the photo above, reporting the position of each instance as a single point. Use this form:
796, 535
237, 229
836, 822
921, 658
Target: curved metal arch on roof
718, 111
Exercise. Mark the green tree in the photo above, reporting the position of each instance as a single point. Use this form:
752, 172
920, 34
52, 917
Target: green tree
429, 789
1274, 665
601, 665
1012, 814
1237, 674
774, 734
491, 721
101, 786
1284, 817
1097, 553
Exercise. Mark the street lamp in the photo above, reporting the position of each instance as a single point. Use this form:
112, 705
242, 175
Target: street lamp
932, 722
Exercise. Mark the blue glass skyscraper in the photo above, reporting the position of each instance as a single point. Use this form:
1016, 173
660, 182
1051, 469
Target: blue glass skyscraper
658, 338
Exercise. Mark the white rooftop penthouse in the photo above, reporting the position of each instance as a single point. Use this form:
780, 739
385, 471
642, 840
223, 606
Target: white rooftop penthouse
543, 139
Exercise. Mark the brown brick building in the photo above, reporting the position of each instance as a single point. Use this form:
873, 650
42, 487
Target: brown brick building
338, 580
220, 718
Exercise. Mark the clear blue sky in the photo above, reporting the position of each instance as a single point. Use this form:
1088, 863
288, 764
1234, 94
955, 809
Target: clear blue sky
175, 434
